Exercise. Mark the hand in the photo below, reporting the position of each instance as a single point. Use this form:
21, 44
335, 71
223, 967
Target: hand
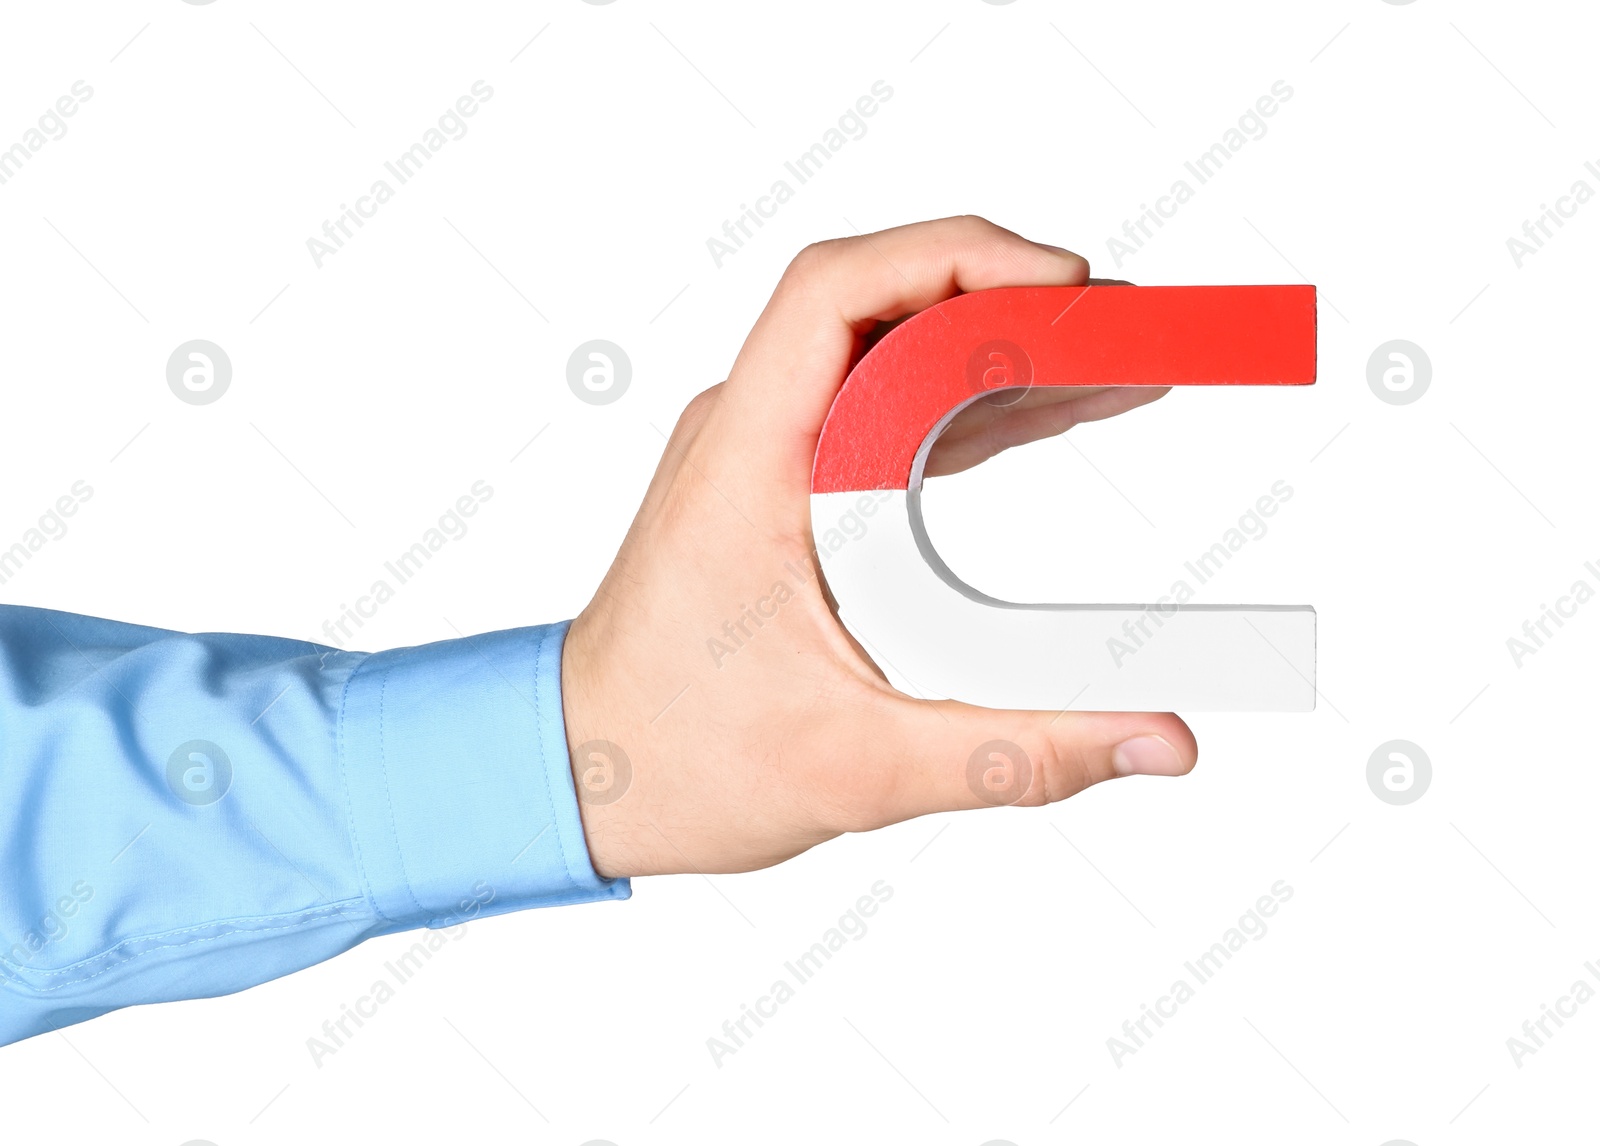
797, 737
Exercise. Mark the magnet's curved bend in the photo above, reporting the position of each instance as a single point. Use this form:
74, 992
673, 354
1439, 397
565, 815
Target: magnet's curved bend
940, 636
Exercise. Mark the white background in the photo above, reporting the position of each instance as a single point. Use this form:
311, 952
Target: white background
371, 393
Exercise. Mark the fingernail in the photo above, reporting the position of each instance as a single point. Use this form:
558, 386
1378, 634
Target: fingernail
1146, 756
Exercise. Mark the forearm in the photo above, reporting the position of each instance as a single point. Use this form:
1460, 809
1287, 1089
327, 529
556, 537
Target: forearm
189, 815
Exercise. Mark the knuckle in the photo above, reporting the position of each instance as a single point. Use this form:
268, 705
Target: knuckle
1063, 770
697, 411
974, 228
812, 263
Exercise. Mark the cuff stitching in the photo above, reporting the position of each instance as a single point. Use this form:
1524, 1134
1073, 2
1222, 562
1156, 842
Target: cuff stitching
388, 794
349, 799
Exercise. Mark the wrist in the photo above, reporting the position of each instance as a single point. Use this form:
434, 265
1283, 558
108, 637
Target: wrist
602, 771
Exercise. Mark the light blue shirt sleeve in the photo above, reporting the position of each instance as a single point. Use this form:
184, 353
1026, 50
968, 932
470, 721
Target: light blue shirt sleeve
187, 815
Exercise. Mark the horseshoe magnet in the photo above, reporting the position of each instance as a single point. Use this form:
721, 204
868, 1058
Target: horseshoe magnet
945, 638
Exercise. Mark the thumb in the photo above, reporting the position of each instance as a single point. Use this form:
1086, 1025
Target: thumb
956, 756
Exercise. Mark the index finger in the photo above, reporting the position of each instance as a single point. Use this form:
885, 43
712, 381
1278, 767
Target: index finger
801, 347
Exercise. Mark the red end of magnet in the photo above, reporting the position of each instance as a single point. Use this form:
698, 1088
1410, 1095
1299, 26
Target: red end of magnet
1055, 336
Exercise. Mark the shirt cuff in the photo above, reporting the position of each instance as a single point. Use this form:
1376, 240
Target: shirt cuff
460, 790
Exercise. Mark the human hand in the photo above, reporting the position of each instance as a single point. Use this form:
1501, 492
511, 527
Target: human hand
737, 762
